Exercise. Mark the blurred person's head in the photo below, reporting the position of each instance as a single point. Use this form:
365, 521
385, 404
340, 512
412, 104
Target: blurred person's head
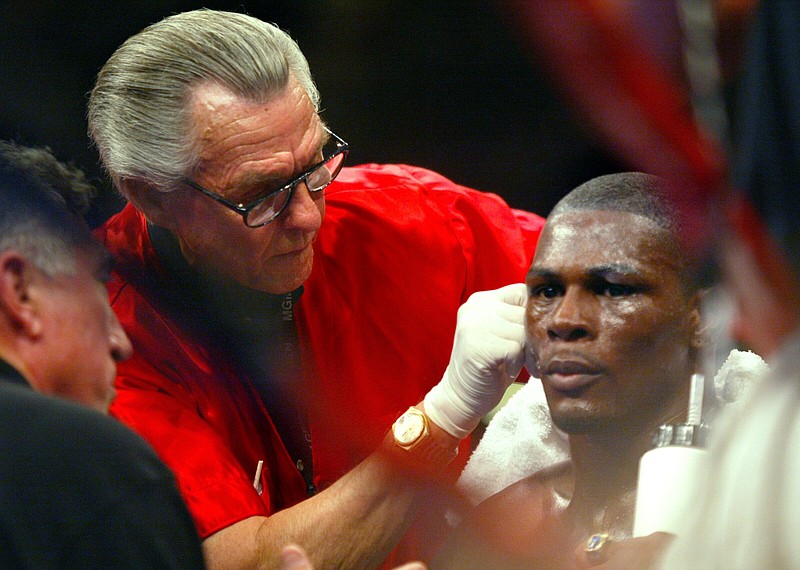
56, 326
200, 120
613, 318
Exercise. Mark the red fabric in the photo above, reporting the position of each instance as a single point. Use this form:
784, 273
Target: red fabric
400, 250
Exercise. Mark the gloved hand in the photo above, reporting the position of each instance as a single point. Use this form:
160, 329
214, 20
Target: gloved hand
488, 353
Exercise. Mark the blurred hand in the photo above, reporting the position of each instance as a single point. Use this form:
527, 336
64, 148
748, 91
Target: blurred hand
488, 354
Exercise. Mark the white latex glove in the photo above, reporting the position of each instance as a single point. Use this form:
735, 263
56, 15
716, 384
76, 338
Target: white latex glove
488, 353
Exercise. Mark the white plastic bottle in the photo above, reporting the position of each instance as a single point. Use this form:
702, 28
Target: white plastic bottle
671, 477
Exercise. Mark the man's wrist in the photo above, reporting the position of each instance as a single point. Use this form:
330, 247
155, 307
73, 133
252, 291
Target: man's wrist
420, 443
445, 408
439, 434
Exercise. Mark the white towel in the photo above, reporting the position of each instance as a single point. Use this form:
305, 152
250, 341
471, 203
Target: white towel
519, 441
737, 376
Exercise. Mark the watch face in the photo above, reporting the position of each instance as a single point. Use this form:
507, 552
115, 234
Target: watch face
408, 428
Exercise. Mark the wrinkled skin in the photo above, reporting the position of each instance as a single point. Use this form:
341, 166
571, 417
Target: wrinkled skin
248, 149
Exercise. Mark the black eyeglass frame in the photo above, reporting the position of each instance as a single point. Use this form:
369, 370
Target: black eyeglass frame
342, 147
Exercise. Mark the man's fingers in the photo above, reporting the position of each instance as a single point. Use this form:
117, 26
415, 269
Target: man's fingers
514, 294
478, 312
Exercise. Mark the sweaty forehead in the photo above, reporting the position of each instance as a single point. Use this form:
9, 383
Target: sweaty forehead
600, 237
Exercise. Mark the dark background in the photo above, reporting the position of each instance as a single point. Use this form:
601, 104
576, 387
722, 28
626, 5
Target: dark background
444, 84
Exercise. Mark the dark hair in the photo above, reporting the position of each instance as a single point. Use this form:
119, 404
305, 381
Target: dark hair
634, 192
42, 202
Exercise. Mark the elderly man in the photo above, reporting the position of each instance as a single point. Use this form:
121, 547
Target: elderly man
77, 489
614, 328
272, 351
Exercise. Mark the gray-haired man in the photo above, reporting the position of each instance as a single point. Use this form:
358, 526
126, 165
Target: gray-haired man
208, 123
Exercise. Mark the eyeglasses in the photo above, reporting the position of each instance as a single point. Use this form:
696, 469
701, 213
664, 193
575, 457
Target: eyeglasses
266, 209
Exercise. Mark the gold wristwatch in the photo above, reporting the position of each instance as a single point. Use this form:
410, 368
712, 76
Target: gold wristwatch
412, 433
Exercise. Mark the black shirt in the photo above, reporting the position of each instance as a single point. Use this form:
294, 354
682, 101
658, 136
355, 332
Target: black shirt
79, 490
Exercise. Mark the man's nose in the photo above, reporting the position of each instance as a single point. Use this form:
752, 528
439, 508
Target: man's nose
571, 317
304, 211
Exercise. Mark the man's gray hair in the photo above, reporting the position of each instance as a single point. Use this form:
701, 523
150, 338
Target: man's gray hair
138, 115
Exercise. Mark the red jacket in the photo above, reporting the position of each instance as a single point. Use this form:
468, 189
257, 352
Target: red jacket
400, 249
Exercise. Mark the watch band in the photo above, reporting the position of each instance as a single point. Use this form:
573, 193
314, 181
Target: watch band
412, 435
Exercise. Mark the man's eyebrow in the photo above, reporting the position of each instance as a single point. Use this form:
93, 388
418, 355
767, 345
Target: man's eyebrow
600, 271
614, 270
264, 179
541, 273
259, 179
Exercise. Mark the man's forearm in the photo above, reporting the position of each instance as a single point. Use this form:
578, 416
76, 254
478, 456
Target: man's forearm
358, 520
354, 523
